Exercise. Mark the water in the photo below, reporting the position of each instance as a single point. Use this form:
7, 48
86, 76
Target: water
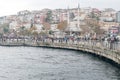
35, 63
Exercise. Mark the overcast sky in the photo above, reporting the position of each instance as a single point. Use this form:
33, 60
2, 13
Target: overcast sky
8, 7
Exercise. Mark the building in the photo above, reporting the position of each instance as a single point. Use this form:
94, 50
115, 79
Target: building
118, 17
106, 25
25, 12
114, 30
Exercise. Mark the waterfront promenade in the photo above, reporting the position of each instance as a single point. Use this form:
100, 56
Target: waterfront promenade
96, 47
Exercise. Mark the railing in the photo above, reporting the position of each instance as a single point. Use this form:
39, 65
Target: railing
90, 43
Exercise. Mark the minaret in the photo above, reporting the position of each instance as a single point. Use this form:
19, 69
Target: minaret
78, 19
68, 21
68, 17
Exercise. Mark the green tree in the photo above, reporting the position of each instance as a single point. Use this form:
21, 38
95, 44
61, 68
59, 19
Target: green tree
72, 16
49, 16
5, 27
6, 30
51, 32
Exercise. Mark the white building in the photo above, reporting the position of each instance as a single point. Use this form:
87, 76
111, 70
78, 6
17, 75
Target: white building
13, 25
39, 27
118, 16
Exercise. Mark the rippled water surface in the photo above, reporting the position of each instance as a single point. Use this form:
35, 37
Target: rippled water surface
35, 63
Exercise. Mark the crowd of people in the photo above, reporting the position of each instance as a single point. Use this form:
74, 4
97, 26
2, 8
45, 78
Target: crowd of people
106, 42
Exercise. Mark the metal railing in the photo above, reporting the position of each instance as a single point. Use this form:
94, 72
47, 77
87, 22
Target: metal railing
90, 43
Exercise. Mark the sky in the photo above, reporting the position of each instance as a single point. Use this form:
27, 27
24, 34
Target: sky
11, 7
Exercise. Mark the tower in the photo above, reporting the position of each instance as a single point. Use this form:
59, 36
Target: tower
68, 17
78, 19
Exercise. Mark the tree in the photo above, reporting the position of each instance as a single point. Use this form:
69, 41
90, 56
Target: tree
97, 30
35, 33
5, 27
94, 25
46, 26
62, 25
22, 30
49, 16
43, 33
93, 15
72, 16
51, 32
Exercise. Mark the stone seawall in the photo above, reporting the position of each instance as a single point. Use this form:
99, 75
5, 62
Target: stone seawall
112, 55
103, 52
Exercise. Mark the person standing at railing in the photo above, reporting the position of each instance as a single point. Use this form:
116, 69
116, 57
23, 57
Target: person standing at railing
112, 40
